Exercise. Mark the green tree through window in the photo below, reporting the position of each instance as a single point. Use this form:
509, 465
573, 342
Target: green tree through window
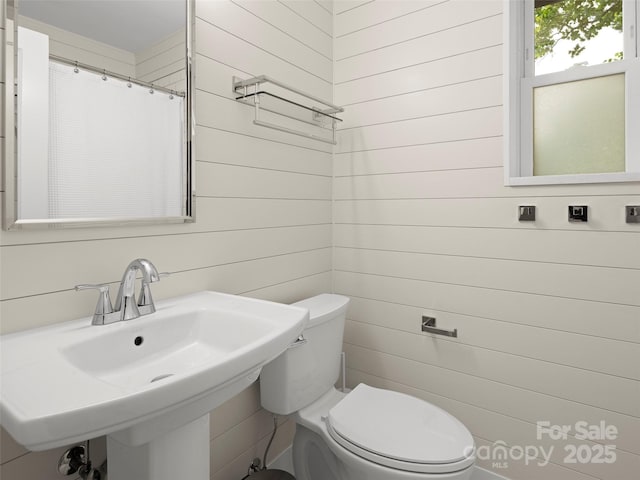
576, 20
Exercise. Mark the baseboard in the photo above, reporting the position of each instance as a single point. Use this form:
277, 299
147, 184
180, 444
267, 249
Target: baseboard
483, 474
284, 461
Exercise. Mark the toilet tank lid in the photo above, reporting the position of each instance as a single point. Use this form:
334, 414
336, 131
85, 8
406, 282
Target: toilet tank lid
323, 307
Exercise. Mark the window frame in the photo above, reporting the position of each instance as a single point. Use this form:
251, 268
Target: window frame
520, 80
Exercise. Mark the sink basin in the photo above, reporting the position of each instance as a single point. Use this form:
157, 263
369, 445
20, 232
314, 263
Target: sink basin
142, 378
166, 346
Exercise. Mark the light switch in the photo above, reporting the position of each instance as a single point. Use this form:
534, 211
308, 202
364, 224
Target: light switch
633, 213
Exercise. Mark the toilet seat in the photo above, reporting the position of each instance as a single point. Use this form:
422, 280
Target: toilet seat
400, 431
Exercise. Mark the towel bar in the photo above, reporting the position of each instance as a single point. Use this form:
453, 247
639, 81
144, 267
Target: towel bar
321, 114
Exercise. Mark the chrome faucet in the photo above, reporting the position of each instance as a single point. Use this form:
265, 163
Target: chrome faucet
126, 299
126, 307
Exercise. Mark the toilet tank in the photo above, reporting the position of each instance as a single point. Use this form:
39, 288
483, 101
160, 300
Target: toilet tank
310, 367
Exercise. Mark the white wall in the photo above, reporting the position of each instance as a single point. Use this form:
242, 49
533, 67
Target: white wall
33, 122
263, 215
85, 50
163, 63
548, 313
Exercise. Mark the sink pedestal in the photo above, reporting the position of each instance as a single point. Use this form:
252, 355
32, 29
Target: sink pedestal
182, 453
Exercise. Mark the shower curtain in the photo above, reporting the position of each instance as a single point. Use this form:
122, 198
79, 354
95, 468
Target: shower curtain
115, 148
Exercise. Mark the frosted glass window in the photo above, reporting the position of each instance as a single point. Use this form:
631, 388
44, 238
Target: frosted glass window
579, 127
572, 90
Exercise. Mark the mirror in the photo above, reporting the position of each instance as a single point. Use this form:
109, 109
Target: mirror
100, 91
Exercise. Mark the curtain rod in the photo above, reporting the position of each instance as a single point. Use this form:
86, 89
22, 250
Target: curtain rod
91, 68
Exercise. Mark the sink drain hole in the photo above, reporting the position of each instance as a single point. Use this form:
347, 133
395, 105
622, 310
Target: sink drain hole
160, 377
138, 341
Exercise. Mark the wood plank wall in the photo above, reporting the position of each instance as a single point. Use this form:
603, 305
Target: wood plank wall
163, 63
263, 215
548, 313
83, 49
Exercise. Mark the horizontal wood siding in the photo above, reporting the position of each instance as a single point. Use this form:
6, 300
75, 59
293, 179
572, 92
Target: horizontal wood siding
263, 213
548, 313
85, 50
163, 64
408, 216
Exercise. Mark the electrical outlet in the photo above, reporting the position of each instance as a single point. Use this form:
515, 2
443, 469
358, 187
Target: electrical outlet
633, 213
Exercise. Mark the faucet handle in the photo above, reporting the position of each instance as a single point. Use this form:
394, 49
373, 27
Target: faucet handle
145, 300
103, 307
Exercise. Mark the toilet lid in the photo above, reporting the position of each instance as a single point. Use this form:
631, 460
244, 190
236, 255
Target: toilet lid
399, 427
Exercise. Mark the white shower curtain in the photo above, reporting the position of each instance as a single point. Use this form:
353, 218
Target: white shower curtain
114, 150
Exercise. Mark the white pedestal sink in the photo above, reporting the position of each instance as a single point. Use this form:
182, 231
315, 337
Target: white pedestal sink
181, 453
148, 383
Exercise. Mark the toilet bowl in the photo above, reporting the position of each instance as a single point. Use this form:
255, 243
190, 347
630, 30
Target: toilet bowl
368, 433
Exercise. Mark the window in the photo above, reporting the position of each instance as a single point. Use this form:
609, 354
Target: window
572, 91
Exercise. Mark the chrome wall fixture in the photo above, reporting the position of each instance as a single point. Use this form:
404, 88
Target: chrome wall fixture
266, 94
429, 326
578, 213
77, 461
632, 213
527, 213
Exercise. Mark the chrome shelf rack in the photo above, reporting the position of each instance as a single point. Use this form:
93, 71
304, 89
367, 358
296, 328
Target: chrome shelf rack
266, 94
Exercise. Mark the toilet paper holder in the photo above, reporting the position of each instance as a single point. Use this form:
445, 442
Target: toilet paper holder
429, 326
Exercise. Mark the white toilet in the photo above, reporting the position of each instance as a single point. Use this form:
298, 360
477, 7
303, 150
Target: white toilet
368, 433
